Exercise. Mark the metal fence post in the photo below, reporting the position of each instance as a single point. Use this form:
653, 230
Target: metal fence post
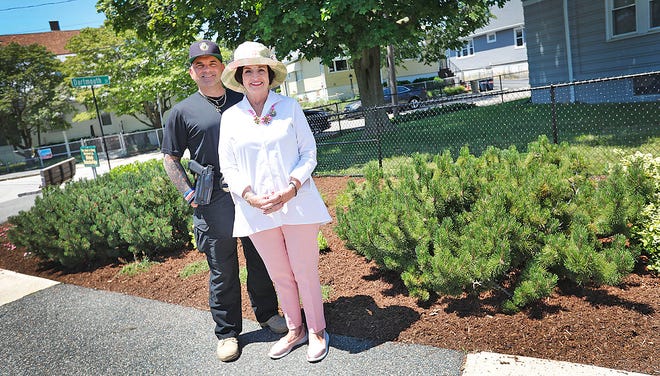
555, 137
501, 88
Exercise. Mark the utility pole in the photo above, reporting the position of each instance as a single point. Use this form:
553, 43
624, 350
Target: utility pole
392, 78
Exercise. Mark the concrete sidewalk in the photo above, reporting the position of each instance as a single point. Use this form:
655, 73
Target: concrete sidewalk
48, 328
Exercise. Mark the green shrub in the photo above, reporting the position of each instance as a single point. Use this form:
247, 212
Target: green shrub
137, 267
454, 90
322, 242
647, 231
506, 220
133, 210
433, 111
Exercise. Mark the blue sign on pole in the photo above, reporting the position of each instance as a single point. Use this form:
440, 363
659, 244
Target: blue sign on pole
45, 153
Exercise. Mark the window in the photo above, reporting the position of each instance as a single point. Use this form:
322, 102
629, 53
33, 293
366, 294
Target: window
623, 17
654, 16
339, 65
467, 49
293, 76
491, 37
519, 36
106, 119
632, 17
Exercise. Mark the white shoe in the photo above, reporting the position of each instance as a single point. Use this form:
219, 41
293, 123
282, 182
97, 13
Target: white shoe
228, 349
283, 347
317, 353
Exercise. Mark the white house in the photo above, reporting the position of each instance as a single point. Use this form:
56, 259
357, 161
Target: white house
311, 80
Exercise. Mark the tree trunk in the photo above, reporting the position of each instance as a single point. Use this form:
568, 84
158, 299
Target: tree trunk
367, 72
151, 110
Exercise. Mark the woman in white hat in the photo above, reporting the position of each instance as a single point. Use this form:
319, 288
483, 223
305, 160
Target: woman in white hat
267, 155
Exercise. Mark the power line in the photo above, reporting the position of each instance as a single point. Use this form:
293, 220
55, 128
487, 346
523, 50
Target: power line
37, 5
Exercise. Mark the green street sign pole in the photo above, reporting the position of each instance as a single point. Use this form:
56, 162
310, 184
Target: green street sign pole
91, 81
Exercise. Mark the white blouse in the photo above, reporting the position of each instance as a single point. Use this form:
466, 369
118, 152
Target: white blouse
265, 157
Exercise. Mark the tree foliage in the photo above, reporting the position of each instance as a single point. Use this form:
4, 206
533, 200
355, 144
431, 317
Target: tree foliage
325, 29
144, 76
33, 95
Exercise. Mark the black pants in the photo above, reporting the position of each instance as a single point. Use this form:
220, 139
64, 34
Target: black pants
214, 224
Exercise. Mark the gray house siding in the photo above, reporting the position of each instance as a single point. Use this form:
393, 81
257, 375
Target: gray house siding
502, 51
546, 50
593, 55
498, 57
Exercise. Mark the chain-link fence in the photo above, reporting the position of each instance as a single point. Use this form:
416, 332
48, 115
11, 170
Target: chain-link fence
599, 117
117, 145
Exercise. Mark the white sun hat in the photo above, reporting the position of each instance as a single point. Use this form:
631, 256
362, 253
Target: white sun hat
253, 53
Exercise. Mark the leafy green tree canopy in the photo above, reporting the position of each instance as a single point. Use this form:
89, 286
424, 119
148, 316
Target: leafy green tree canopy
144, 76
325, 29
33, 97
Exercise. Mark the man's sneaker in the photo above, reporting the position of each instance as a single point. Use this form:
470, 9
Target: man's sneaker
228, 349
276, 324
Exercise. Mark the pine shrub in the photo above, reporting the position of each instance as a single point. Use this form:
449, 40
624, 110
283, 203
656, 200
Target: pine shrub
515, 222
132, 211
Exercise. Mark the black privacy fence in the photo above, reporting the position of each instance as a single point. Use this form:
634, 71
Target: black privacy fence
604, 118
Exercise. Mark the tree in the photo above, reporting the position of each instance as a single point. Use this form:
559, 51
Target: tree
33, 97
325, 29
144, 76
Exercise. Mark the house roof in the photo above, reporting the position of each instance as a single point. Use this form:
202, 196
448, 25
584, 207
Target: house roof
507, 17
54, 41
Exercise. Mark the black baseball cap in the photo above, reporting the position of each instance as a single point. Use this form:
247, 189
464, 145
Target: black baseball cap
202, 48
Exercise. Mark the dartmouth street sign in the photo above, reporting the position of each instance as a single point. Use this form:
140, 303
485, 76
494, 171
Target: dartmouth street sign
90, 81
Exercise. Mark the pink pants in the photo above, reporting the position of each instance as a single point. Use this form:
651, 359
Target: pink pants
291, 256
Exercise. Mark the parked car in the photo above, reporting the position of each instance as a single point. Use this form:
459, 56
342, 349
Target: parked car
411, 96
318, 120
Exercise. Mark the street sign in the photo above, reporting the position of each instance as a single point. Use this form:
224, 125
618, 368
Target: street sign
46, 153
89, 156
90, 81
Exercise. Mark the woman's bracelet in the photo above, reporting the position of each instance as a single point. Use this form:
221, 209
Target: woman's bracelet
295, 189
246, 197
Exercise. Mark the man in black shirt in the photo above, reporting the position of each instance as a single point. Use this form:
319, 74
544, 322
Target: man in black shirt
194, 124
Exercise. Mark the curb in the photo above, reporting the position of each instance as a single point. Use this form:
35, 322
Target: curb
492, 364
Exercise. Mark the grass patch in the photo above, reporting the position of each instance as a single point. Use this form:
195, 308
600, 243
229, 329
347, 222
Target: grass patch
137, 267
194, 268
242, 275
597, 130
326, 290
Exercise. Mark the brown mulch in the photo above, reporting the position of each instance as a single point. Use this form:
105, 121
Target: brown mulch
614, 327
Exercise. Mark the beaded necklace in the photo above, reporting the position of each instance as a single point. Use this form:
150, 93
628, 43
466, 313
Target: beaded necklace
266, 119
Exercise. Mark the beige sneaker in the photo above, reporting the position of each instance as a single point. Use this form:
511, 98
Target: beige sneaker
228, 349
276, 324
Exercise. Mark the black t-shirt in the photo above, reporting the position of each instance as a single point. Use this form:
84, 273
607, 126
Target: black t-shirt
194, 124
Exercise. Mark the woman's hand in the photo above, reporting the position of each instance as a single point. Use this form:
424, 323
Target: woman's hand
272, 202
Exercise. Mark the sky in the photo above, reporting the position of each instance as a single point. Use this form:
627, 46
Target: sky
32, 16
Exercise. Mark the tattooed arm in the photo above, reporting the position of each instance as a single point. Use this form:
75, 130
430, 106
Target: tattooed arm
178, 175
